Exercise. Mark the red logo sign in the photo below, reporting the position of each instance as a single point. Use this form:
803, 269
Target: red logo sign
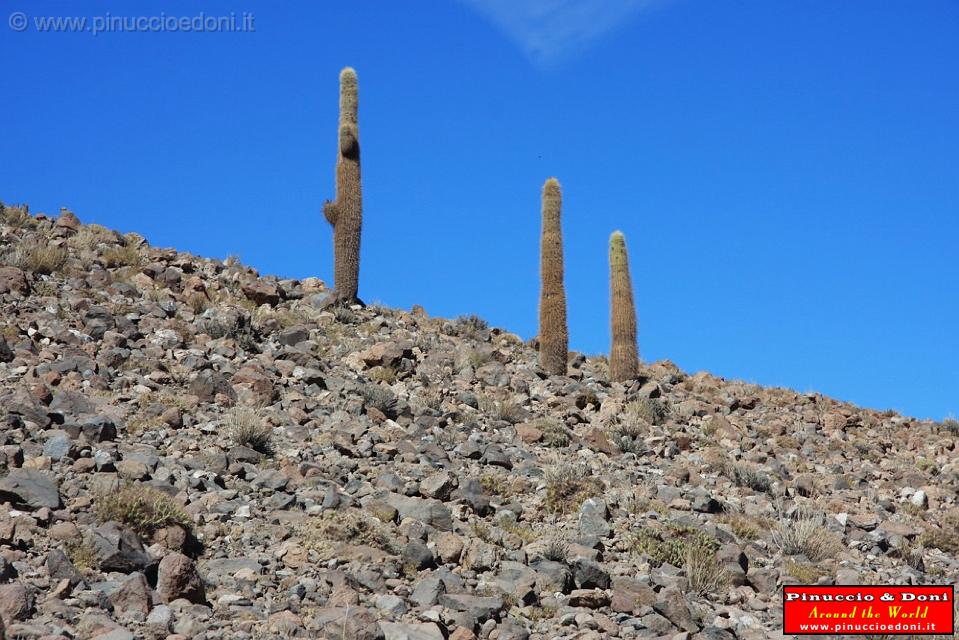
874, 609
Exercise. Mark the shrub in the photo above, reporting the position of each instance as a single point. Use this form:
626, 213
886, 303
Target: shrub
555, 548
125, 256
16, 217
805, 572
248, 429
40, 258
950, 425
555, 433
322, 534
471, 326
805, 532
945, 537
651, 410
567, 486
379, 398
670, 542
744, 527
501, 410
703, 571
81, 554
142, 508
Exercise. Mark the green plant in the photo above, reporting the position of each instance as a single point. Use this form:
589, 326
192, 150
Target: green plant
567, 486
494, 485
142, 508
555, 433
805, 572
81, 554
510, 525
623, 354
248, 429
669, 542
553, 334
345, 213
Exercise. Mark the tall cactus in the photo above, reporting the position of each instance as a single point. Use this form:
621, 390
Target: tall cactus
553, 335
345, 213
623, 355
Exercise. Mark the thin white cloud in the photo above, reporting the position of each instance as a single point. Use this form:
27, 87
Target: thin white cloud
547, 30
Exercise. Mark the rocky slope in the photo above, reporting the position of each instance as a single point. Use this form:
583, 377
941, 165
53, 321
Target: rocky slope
190, 450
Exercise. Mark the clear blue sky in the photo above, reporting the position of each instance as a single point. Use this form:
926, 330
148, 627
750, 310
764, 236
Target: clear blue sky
786, 172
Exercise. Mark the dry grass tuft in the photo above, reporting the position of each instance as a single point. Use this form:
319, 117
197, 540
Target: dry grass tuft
805, 533
248, 429
568, 485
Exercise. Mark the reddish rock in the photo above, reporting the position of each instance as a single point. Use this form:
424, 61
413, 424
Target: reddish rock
177, 577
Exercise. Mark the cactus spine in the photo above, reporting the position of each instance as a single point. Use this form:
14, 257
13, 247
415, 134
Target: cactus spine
553, 335
345, 213
623, 355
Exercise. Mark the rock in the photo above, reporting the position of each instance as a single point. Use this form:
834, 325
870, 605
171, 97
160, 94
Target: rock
13, 280
589, 598
262, 293
480, 607
592, 519
630, 596
411, 631
528, 433
6, 353
131, 598
418, 556
159, 619
427, 591
208, 384
672, 605
588, 575
30, 489
177, 577
438, 486
355, 623
449, 547
118, 549
59, 567
16, 602
431, 512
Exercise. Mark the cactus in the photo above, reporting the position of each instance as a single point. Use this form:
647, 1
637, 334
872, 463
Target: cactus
623, 355
553, 335
345, 213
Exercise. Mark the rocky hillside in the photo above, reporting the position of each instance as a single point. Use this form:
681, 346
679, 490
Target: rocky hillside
190, 450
